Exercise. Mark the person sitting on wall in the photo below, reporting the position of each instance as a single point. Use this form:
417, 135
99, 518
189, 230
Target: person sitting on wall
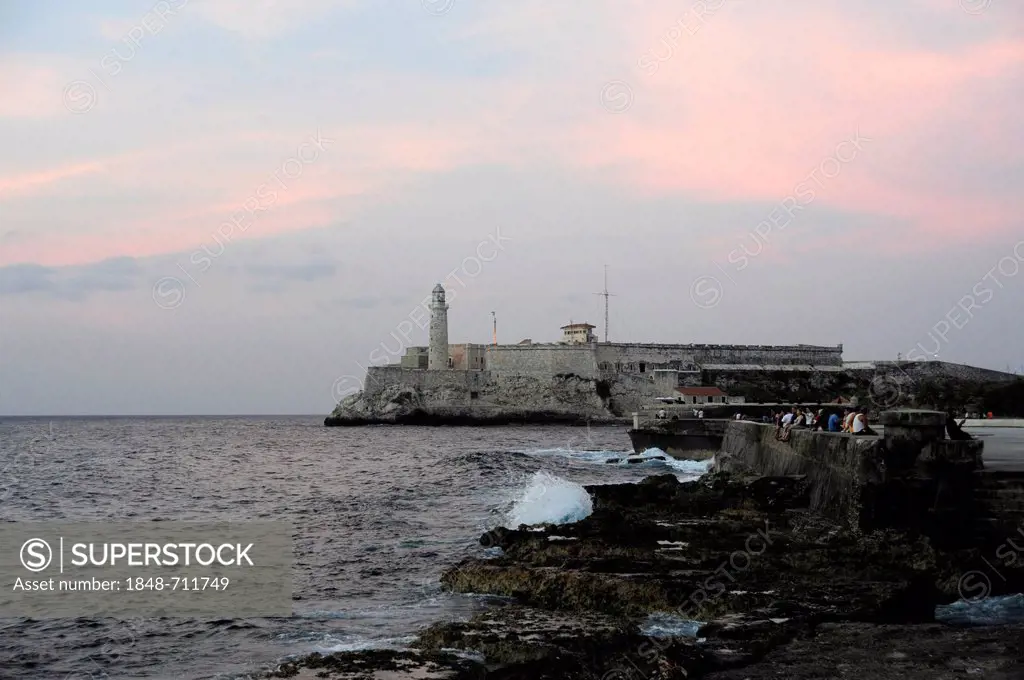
834, 422
848, 420
798, 419
860, 423
808, 421
795, 419
788, 418
954, 430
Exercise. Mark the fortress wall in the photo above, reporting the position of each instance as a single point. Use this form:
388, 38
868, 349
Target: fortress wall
589, 360
769, 354
546, 360
378, 378
629, 356
632, 391
454, 389
570, 395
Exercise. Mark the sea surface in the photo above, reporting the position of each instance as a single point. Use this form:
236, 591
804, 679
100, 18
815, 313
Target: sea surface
377, 514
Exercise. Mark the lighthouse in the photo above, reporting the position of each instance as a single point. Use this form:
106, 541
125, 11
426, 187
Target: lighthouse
437, 357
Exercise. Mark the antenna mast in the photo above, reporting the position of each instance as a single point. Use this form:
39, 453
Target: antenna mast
495, 318
605, 294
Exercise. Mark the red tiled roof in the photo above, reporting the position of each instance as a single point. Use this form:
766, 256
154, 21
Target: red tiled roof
700, 391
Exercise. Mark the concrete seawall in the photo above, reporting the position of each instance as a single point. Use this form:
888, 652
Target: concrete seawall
837, 466
911, 478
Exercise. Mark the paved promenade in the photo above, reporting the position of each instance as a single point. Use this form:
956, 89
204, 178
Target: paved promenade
1004, 447
996, 422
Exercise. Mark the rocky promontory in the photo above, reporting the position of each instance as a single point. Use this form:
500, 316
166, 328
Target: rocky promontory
564, 399
729, 577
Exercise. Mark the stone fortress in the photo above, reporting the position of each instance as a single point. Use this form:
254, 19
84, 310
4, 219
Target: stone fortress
578, 377
580, 353
581, 378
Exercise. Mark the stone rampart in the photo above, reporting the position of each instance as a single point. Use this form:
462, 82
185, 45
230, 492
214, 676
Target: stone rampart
380, 378
630, 356
546, 360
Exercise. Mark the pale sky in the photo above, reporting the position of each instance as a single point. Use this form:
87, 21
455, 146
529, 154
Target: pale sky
798, 171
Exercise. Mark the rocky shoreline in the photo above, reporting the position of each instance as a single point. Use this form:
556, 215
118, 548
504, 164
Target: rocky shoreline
399, 405
434, 417
779, 591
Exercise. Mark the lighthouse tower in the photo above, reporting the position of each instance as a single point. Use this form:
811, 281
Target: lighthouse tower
437, 356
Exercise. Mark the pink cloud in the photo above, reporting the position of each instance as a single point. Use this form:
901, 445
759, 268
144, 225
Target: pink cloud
753, 104
17, 185
742, 110
366, 160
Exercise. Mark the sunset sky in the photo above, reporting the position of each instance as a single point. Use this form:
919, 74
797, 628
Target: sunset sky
230, 206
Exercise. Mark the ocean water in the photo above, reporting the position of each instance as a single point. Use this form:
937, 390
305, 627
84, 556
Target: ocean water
377, 514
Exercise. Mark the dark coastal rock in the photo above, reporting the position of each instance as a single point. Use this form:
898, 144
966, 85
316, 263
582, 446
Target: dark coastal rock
528, 643
438, 417
518, 635
376, 664
778, 591
708, 549
887, 652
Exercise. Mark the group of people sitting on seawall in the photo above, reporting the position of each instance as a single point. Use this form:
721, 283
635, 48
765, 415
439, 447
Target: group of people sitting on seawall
853, 421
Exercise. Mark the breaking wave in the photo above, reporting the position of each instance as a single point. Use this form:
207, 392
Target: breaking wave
550, 500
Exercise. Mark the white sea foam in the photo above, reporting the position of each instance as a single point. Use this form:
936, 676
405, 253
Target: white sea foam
991, 611
685, 469
671, 546
653, 459
329, 644
550, 500
667, 625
